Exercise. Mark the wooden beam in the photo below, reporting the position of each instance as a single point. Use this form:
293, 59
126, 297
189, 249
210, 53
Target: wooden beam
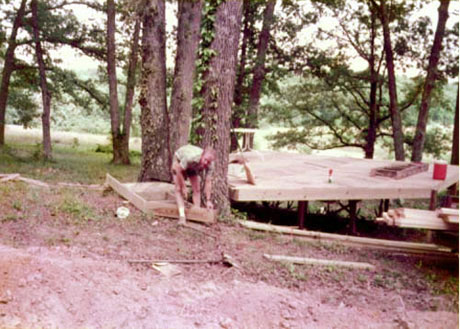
126, 193
409, 247
323, 262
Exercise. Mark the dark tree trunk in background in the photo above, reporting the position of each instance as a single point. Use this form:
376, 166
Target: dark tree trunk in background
218, 91
374, 75
129, 98
259, 68
454, 156
188, 37
113, 93
8, 67
248, 21
419, 139
398, 136
156, 155
46, 95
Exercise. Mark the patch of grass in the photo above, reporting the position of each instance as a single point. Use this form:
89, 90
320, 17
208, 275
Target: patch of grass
70, 164
17, 205
254, 235
10, 218
72, 206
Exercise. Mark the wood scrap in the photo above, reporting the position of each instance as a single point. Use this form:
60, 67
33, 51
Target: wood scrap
6, 178
225, 259
323, 262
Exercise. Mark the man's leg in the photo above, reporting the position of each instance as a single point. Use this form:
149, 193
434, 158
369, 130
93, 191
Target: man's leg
195, 181
180, 190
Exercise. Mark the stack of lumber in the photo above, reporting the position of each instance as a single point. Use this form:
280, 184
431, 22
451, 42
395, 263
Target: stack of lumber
439, 219
399, 171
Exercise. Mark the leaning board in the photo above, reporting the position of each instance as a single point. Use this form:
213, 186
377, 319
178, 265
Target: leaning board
158, 198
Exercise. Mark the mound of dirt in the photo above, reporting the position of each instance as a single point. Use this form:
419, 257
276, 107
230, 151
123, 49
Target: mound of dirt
66, 287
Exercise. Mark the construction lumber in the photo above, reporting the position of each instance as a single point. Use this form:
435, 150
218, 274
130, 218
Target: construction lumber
403, 246
449, 215
164, 207
423, 219
400, 171
323, 262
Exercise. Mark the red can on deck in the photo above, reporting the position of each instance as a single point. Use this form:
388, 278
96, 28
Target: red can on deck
440, 170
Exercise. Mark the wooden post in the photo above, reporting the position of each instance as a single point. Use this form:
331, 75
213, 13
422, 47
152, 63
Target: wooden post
302, 209
433, 200
387, 205
352, 208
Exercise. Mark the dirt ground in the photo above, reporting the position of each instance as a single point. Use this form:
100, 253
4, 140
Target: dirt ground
66, 261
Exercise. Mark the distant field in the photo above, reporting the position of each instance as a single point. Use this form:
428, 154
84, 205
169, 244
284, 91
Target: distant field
18, 135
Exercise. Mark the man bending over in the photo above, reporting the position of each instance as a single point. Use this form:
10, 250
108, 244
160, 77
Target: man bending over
188, 162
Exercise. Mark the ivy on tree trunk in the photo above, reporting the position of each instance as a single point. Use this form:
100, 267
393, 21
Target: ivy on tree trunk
219, 81
156, 154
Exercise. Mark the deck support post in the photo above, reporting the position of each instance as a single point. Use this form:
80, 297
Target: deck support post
433, 200
302, 209
353, 205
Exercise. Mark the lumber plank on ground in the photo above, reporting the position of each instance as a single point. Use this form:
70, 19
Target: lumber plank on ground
8, 177
324, 262
409, 247
419, 218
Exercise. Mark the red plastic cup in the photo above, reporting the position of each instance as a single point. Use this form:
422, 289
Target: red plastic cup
440, 170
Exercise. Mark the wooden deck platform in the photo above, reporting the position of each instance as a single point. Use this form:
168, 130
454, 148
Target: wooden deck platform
282, 176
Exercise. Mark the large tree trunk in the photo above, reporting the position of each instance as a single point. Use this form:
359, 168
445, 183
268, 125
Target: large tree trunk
129, 98
419, 139
248, 21
46, 95
188, 36
112, 73
219, 83
156, 154
398, 136
8, 67
259, 68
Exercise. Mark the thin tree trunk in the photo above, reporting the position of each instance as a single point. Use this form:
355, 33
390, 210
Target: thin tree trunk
188, 36
8, 67
259, 68
219, 82
454, 156
156, 154
129, 98
46, 95
419, 139
112, 73
372, 128
398, 136
248, 20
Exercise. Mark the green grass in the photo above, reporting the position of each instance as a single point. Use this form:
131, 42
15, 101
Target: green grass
69, 164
